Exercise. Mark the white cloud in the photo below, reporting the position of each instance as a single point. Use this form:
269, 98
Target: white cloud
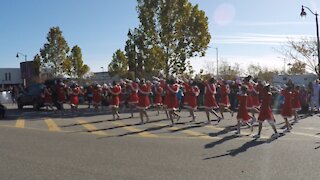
284, 23
258, 39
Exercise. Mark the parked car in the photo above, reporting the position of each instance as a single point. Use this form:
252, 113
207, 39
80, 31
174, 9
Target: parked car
31, 96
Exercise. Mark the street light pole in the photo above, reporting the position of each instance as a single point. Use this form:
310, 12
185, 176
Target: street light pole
217, 51
303, 14
26, 68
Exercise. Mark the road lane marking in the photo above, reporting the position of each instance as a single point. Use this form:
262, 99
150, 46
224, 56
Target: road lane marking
91, 128
20, 123
188, 132
135, 130
52, 125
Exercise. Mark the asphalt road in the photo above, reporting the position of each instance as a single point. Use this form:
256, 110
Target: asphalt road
89, 145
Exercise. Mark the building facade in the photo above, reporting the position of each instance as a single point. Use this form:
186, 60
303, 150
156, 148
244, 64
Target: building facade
10, 77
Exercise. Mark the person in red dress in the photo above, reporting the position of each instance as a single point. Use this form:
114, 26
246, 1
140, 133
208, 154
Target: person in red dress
74, 99
61, 95
193, 92
224, 102
158, 91
172, 101
243, 116
48, 98
96, 99
253, 97
144, 101
286, 110
210, 99
133, 89
266, 111
115, 91
296, 105
187, 90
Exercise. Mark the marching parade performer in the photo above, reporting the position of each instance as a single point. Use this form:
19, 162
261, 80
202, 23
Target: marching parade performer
172, 100
193, 92
61, 95
115, 91
133, 89
158, 91
224, 102
296, 105
266, 112
48, 98
253, 98
243, 115
74, 99
286, 111
144, 101
96, 99
210, 99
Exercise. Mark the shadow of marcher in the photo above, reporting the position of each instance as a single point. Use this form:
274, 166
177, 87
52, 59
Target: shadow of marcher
220, 141
317, 146
244, 147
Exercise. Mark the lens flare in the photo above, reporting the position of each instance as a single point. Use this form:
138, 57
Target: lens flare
224, 14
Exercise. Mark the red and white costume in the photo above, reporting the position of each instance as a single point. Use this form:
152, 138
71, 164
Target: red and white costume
61, 94
224, 96
74, 99
250, 91
144, 101
193, 93
243, 111
96, 99
210, 99
265, 109
115, 91
296, 105
47, 97
172, 100
286, 111
158, 90
133, 89
255, 97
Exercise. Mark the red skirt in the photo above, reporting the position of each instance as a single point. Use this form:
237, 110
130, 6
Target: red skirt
255, 101
210, 102
115, 101
224, 100
243, 114
296, 105
144, 102
158, 99
172, 102
134, 98
74, 100
249, 102
192, 102
265, 114
286, 111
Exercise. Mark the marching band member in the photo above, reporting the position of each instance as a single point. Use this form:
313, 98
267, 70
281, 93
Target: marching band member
172, 101
286, 111
210, 99
115, 92
96, 99
266, 112
133, 89
224, 102
144, 101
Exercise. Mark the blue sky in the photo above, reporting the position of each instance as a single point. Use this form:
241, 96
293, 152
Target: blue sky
245, 31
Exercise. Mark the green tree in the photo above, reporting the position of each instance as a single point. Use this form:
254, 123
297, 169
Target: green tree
254, 69
119, 64
74, 64
176, 29
267, 74
37, 64
55, 51
226, 71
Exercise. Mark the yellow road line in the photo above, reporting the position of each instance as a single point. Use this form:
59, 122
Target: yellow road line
133, 129
20, 123
189, 132
214, 127
52, 125
91, 128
